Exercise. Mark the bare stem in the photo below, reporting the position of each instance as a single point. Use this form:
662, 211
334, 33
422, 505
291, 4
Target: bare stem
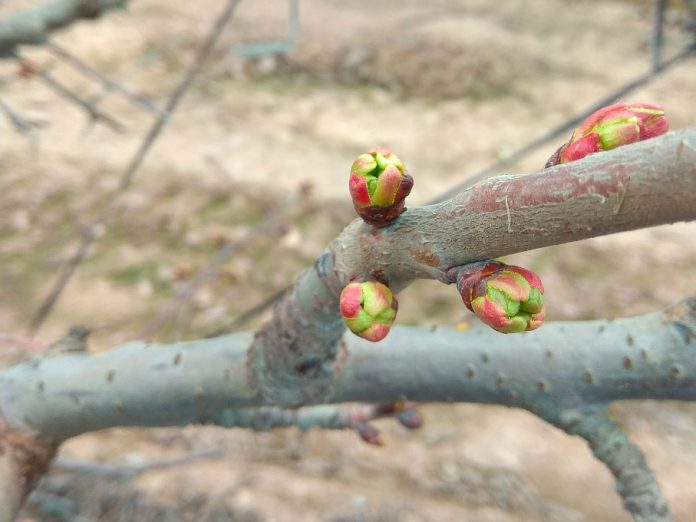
270, 225
107, 83
635, 481
70, 266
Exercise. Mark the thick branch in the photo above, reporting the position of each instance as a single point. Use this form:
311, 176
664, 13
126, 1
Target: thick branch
565, 364
34, 25
641, 185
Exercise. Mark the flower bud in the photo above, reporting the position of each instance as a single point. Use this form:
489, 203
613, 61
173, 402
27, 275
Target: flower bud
507, 298
378, 186
410, 418
370, 434
368, 309
611, 127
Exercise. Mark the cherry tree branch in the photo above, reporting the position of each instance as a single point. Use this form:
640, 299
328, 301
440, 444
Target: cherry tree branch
34, 25
567, 366
300, 357
645, 184
635, 482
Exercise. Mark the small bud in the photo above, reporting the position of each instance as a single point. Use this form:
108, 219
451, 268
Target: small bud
507, 298
410, 418
370, 434
368, 309
379, 185
611, 127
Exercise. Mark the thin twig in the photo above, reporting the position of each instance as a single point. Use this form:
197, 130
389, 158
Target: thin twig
334, 417
108, 84
24, 342
128, 471
635, 481
247, 316
70, 266
658, 34
20, 124
270, 225
94, 112
565, 127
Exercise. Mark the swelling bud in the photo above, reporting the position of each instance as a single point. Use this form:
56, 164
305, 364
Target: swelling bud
507, 298
368, 309
611, 127
378, 186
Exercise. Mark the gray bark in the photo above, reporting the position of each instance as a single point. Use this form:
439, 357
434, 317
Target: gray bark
34, 25
641, 185
301, 356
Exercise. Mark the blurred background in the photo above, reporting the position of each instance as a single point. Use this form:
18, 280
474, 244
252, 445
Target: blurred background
248, 182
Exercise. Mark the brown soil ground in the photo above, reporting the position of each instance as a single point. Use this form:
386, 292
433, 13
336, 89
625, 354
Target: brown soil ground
450, 86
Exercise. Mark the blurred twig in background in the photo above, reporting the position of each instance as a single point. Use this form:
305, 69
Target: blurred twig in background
90, 235
94, 113
271, 225
107, 83
18, 122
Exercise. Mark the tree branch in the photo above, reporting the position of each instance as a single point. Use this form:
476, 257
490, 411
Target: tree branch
34, 25
635, 481
565, 364
89, 237
300, 357
640, 185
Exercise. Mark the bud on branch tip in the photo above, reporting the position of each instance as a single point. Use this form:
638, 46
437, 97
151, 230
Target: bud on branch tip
368, 309
611, 127
507, 298
378, 186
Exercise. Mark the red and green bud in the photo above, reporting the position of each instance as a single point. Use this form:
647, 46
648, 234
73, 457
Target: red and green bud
611, 127
368, 309
378, 186
370, 434
507, 298
410, 418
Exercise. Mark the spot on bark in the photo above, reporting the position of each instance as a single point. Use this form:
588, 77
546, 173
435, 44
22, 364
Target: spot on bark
589, 378
177, 359
484, 357
499, 380
627, 362
675, 372
308, 368
629, 340
425, 256
644, 354
471, 372
542, 386
110, 376
684, 331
